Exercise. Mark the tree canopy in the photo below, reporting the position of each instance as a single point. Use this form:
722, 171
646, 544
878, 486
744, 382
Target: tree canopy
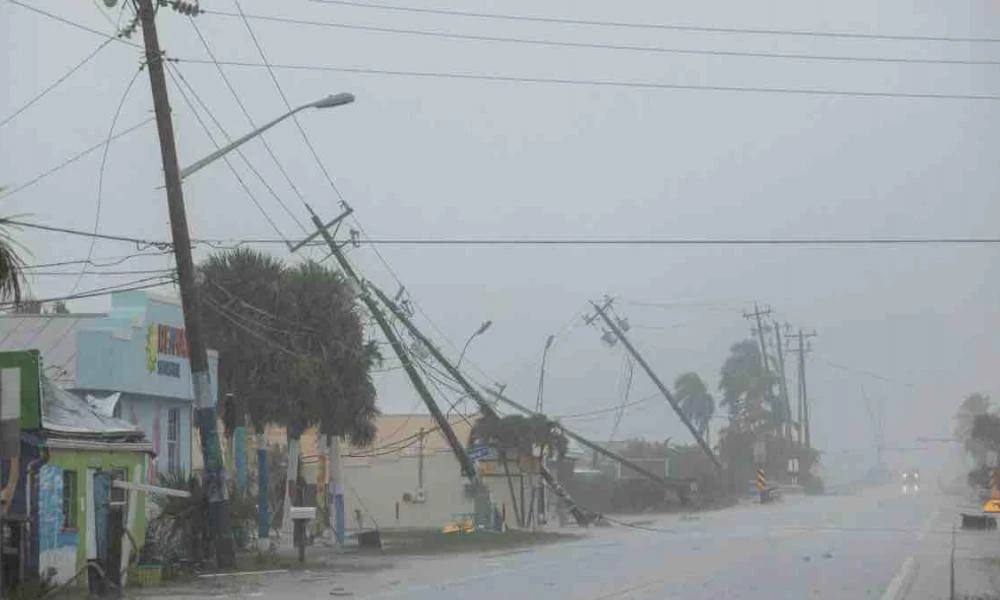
695, 400
291, 343
520, 434
744, 384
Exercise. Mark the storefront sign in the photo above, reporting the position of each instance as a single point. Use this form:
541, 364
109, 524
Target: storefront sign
165, 341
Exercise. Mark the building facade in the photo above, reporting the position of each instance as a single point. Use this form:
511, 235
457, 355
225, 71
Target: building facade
132, 362
62, 506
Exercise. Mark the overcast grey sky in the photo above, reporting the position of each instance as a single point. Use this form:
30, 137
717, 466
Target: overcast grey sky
440, 157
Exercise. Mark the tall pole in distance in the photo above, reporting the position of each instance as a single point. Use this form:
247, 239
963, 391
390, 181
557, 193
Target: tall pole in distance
802, 388
602, 312
539, 409
205, 412
804, 434
782, 381
541, 376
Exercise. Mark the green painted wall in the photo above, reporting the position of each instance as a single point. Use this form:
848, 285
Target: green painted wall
27, 361
80, 461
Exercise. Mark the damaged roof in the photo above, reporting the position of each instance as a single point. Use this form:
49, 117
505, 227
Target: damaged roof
66, 414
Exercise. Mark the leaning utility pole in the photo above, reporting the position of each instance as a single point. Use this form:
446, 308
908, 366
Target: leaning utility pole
764, 362
485, 407
602, 312
361, 288
205, 412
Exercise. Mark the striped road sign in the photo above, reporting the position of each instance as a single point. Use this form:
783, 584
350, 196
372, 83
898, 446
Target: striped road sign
761, 480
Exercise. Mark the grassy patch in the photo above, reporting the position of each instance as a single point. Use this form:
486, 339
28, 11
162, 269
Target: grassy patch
432, 541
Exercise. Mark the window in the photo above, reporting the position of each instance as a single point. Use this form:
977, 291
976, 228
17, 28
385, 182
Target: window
173, 440
69, 499
118, 495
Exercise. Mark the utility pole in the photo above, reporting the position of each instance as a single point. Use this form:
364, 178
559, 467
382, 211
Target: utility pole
539, 403
764, 362
361, 288
803, 348
617, 331
783, 381
205, 411
485, 407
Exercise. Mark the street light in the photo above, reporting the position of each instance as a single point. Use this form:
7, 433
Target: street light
541, 375
482, 329
328, 102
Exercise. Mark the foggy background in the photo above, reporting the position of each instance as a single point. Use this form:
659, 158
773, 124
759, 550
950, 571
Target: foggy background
434, 157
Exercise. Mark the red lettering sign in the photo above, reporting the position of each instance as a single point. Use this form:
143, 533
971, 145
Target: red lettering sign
171, 341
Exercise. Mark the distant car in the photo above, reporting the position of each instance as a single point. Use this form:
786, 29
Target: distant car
911, 481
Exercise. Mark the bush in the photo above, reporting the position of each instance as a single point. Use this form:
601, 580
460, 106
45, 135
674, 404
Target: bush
813, 485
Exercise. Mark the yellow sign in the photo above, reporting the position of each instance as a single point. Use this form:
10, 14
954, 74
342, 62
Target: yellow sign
151, 346
992, 506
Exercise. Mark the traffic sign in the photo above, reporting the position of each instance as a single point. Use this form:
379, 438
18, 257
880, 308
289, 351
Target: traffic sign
477, 452
992, 506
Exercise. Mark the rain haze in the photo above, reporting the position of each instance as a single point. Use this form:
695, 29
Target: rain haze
481, 139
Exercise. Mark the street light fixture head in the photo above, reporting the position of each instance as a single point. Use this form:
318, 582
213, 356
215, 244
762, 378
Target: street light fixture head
334, 100
548, 342
482, 328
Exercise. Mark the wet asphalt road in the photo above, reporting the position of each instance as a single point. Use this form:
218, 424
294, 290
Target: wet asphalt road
827, 547
849, 547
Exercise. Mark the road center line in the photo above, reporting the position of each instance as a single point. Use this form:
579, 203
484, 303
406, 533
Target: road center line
896, 585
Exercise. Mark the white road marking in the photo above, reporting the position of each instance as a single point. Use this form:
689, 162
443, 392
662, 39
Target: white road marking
929, 524
896, 585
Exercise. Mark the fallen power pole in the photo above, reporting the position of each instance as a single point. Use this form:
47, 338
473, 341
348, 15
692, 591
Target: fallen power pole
602, 312
468, 466
205, 412
681, 486
581, 516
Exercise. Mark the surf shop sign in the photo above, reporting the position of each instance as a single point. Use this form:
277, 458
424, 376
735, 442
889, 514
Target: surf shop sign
165, 346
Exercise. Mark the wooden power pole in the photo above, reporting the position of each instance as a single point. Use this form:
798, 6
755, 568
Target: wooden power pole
205, 410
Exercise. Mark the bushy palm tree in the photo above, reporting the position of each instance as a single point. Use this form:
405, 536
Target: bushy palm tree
972, 407
696, 401
291, 344
744, 384
11, 266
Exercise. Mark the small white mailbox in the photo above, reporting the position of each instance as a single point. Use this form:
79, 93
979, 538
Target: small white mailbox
302, 512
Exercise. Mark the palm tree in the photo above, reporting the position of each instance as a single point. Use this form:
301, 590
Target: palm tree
291, 344
11, 267
744, 384
696, 401
973, 406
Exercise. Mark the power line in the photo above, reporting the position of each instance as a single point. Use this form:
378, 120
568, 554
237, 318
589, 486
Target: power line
101, 291
543, 241
55, 83
164, 245
100, 176
224, 313
108, 273
250, 119
174, 77
615, 47
113, 261
73, 159
666, 26
642, 85
65, 21
288, 106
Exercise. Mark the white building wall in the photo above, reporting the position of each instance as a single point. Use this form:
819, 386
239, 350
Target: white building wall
375, 486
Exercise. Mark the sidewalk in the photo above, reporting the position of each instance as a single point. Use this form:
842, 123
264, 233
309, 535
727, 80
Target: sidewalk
976, 563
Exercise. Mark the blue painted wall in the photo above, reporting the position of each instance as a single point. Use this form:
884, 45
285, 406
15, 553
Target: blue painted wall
118, 354
113, 354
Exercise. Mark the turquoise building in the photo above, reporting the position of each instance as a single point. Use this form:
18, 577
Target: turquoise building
130, 363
